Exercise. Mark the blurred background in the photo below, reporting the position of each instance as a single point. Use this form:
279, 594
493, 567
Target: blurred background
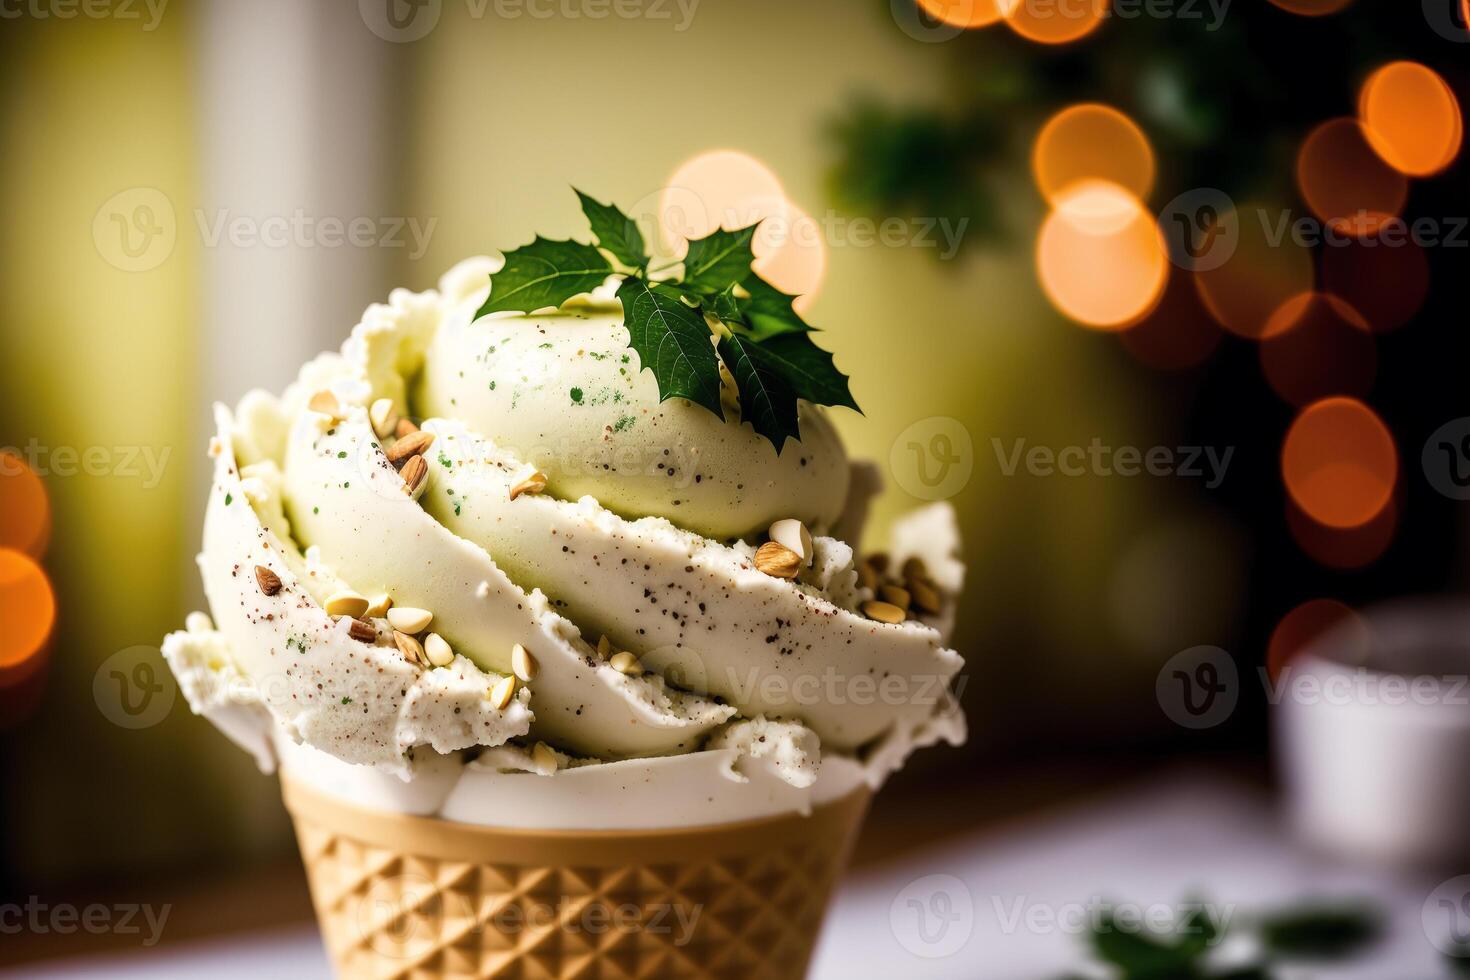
1165, 296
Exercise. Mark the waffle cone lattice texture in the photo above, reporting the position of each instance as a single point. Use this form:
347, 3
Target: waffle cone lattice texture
413, 898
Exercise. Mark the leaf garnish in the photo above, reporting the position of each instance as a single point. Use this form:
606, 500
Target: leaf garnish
807, 369
615, 232
764, 343
767, 400
672, 341
768, 311
719, 259
545, 273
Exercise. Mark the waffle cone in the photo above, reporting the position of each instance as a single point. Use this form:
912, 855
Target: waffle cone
417, 898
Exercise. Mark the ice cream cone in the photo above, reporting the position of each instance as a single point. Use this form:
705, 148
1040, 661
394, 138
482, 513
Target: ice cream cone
412, 897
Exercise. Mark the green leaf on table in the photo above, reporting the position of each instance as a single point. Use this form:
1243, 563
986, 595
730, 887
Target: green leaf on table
808, 369
1321, 931
768, 311
1138, 954
545, 273
1457, 958
1196, 930
767, 399
1244, 973
673, 341
615, 231
720, 259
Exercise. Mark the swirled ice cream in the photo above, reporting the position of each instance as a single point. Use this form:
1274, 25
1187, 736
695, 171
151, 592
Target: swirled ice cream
469, 551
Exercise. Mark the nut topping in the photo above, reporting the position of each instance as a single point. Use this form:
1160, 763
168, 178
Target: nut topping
363, 631
415, 472
269, 581
883, 612
535, 483
777, 560
409, 446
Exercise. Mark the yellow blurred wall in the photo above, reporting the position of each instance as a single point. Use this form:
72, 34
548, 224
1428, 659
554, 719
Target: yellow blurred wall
99, 348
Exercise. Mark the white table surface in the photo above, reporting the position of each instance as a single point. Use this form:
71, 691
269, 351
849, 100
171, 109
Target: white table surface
1180, 838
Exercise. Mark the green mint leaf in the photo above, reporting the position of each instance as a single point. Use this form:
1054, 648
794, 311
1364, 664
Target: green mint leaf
672, 340
807, 369
615, 231
719, 259
545, 273
1326, 931
1197, 931
1139, 954
768, 312
767, 400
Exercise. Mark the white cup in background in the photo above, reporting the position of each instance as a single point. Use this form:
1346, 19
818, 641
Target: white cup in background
1372, 735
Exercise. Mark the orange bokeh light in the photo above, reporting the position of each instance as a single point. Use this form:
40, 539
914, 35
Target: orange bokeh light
27, 608
1100, 257
25, 510
1345, 182
1339, 463
1092, 141
730, 189
791, 254
1411, 118
1054, 21
1317, 345
1312, 8
1262, 271
716, 189
1299, 628
1343, 548
963, 13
